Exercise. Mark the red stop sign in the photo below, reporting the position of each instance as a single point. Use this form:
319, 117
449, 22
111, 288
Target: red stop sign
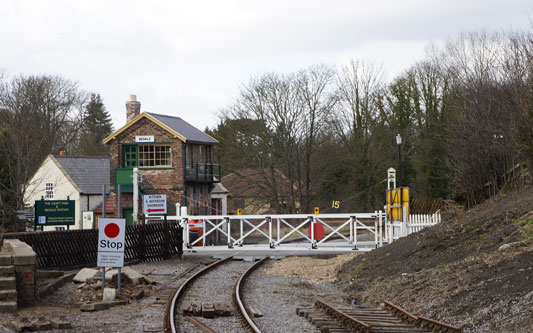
319, 231
112, 230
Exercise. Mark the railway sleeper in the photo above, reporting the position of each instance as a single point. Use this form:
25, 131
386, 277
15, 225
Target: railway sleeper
376, 321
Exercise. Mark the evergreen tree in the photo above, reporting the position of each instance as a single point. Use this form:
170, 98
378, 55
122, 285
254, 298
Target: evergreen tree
96, 127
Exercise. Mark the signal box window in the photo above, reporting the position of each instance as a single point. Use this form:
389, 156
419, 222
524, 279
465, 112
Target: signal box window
155, 156
130, 156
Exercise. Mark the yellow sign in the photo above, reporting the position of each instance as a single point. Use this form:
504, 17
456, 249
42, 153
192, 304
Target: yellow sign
239, 211
317, 210
397, 199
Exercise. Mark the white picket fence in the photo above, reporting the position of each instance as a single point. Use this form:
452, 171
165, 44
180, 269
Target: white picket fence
415, 223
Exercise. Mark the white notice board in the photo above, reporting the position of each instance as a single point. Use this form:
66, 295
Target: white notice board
155, 204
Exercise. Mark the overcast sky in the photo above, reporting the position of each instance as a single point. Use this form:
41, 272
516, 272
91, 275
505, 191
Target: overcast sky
190, 58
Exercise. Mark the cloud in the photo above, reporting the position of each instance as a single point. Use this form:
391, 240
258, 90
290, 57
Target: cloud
192, 56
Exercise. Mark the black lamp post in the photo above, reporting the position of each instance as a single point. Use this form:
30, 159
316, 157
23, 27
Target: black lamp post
399, 143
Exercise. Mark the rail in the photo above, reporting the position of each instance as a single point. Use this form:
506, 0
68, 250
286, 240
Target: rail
239, 304
170, 317
420, 321
345, 319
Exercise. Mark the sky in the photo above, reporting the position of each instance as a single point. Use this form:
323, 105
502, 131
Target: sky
191, 58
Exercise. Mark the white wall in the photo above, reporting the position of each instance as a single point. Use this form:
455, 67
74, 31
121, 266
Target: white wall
49, 172
94, 200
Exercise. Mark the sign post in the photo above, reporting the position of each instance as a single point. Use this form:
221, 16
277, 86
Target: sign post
155, 204
111, 245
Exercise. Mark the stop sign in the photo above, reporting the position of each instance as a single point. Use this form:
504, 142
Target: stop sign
319, 231
111, 242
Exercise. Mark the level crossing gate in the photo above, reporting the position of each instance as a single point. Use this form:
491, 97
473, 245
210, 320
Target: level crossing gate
278, 231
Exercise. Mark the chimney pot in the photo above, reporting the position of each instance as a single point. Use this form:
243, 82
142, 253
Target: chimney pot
133, 108
62, 153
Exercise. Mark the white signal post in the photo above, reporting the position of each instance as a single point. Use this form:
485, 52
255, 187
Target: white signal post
135, 195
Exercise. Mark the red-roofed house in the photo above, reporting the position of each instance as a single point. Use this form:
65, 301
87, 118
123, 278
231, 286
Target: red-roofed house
258, 191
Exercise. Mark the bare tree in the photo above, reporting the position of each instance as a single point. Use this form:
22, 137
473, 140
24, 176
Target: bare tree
271, 99
39, 115
482, 115
318, 98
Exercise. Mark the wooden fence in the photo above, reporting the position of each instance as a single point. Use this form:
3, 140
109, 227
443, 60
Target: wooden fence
56, 249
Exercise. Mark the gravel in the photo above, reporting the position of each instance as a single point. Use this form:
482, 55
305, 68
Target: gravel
215, 287
277, 296
144, 315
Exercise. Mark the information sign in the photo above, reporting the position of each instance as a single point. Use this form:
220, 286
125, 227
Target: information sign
111, 242
155, 204
54, 212
87, 219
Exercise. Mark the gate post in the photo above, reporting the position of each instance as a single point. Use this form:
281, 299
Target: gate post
376, 229
354, 223
242, 232
187, 232
380, 229
313, 241
270, 232
230, 246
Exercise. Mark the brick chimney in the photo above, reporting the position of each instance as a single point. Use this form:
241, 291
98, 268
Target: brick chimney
133, 108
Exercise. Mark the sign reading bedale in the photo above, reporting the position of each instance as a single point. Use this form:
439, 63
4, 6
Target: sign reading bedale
54, 212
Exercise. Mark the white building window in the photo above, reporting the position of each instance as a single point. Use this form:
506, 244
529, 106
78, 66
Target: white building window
49, 191
59, 228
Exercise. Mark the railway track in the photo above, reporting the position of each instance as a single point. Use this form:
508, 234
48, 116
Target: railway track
243, 314
390, 319
174, 308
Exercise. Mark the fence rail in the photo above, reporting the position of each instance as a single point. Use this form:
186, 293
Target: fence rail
56, 249
415, 223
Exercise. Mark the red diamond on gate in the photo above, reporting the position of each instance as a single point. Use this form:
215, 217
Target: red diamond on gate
112, 230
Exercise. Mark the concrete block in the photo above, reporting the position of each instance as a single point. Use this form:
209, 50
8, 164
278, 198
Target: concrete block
134, 276
101, 305
84, 274
8, 282
110, 294
42, 274
222, 310
208, 311
60, 324
110, 274
24, 258
5, 259
8, 294
25, 268
7, 270
43, 325
8, 306
138, 295
194, 309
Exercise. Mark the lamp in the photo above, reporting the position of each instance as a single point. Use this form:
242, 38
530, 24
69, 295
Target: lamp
399, 143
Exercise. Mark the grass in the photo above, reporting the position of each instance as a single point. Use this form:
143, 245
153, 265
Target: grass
471, 246
356, 270
526, 229
468, 228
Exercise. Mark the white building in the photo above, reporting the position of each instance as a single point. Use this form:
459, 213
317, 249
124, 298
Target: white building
77, 178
